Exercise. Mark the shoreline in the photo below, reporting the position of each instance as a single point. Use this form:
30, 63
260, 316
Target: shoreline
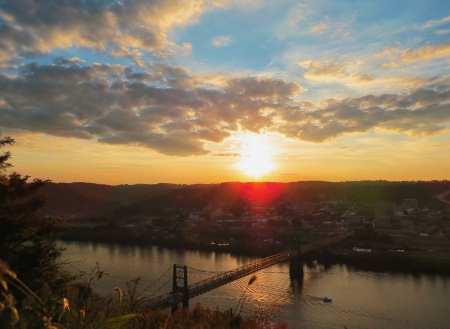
377, 262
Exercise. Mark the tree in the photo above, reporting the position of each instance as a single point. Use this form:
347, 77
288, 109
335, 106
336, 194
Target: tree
4, 158
27, 239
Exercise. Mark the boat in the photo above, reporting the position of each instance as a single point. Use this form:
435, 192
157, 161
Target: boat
327, 300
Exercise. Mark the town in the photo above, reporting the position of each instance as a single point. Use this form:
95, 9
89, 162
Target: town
259, 218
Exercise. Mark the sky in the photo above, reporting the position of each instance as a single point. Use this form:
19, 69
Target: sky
150, 91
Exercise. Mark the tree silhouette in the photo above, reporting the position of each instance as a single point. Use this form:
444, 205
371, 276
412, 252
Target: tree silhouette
27, 239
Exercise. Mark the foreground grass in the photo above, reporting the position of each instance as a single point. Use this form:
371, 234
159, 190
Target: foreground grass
77, 306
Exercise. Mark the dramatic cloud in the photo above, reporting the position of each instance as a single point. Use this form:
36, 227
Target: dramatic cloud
161, 109
422, 112
40, 26
166, 110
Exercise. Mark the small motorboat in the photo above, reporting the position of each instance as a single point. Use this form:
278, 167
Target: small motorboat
327, 300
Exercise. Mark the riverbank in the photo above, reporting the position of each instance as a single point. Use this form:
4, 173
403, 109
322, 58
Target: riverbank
124, 237
383, 262
377, 260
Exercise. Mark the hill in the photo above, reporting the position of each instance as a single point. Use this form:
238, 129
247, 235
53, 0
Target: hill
89, 199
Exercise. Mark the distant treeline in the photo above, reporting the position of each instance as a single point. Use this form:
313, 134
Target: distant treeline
91, 200
128, 237
385, 262
234, 197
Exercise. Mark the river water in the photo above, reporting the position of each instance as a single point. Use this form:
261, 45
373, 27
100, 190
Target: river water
360, 299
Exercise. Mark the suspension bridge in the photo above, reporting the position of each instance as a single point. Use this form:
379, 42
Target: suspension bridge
181, 291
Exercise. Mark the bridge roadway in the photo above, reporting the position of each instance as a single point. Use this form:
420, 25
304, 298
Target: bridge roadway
196, 289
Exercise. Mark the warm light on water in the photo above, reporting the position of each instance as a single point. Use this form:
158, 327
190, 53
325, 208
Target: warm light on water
361, 299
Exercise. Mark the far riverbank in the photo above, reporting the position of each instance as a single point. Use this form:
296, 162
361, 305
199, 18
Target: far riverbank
379, 259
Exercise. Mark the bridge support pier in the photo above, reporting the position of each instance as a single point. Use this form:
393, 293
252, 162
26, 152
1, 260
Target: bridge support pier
180, 287
296, 264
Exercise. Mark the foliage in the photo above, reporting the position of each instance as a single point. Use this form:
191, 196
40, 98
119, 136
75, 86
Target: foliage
6, 155
4, 158
46, 311
204, 318
79, 307
27, 239
242, 299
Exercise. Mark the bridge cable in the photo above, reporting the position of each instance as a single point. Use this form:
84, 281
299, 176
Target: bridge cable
157, 280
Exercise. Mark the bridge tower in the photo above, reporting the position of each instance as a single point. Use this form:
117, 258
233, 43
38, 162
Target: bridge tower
180, 287
295, 242
296, 264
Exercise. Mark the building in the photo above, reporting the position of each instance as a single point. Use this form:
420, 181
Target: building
382, 221
353, 218
384, 209
410, 204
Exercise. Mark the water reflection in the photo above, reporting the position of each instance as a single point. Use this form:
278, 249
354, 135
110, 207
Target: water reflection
296, 284
361, 298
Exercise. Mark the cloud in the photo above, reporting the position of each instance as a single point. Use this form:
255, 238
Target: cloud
172, 51
442, 32
330, 70
162, 108
388, 52
68, 61
291, 24
331, 28
231, 155
426, 53
298, 23
168, 110
325, 68
319, 28
221, 41
391, 65
134, 54
433, 23
40, 26
422, 112
264, 88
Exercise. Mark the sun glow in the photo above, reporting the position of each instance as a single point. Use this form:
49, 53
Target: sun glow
256, 158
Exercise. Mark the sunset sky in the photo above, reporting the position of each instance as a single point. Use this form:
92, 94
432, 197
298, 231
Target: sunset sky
149, 91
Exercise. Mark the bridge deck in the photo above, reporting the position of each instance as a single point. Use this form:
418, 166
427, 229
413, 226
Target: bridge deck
223, 278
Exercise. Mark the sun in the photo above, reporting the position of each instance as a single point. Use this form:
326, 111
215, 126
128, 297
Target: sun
256, 158
255, 165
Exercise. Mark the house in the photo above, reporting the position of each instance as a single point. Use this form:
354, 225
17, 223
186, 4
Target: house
382, 221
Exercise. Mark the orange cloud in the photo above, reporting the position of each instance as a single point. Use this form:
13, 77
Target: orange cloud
331, 70
426, 53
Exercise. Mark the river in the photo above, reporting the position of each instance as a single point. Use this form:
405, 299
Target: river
360, 299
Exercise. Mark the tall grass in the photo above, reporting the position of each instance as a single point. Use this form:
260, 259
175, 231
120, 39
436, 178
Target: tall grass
242, 299
78, 306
